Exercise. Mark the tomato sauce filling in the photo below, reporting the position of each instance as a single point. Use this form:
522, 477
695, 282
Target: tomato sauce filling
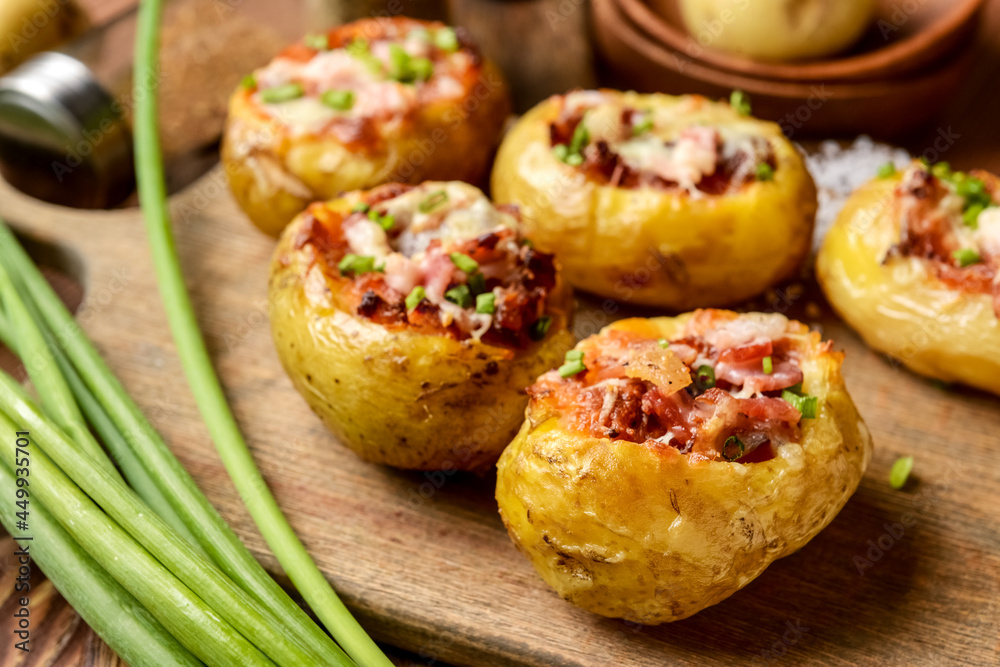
461, 269
951, 221
618, 145
726, 388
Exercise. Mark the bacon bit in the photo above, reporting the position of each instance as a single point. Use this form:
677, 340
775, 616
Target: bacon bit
658, 366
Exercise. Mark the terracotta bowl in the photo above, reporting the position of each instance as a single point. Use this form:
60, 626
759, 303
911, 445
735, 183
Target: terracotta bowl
932, 30
885, 109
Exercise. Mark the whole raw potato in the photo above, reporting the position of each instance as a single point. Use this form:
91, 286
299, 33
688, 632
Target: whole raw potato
778, 29
648, 534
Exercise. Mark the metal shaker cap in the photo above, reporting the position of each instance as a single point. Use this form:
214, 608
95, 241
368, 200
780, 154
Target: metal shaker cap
63, 138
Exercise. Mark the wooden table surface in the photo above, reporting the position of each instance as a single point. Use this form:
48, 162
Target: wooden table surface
461, 592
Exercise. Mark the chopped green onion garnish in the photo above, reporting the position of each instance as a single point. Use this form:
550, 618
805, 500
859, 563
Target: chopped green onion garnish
460, 294
970, 217
359, 49
580, 138
319, 42
561, 151
768, 365
341, 100
643, 126
384, 220
356, 264
573, 365
704, 378
415, 297
900, 472
807, 405
249, 82
740, 102
733, 448
540, 327
421, 68
765, 172
574, 159
664, 343
446, 39
796, 388
464, 262
886, 170
360, 207
486, 303
942, 170
477, 283
419, 33
279, 94
966, 257
432, 201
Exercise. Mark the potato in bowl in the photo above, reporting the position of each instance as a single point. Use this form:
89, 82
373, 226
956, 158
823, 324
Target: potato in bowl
676, 202
411, 318
669, 461
913, 265
374, 101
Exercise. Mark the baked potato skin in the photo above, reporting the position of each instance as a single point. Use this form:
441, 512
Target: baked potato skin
652, 247
902, 309
274, 174
396, 396
628, 532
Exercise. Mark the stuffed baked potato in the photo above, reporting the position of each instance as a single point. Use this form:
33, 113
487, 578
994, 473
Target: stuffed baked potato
378, 100
677, 202
913, 264
670, 460
411, 319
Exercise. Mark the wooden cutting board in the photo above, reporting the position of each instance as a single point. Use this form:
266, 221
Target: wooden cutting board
900, 577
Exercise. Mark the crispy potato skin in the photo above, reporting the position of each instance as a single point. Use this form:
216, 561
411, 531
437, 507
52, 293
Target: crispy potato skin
396, 396
649, 246
274, 175
901, 309
628, 532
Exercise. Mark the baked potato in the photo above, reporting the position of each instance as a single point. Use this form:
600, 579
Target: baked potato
669, 461
913, 265
378, 100
677, 202
411, 318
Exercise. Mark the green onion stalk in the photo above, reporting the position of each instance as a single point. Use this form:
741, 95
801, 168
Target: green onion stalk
215, 410
119, 420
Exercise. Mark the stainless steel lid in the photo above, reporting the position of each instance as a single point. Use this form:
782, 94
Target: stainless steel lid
63, 138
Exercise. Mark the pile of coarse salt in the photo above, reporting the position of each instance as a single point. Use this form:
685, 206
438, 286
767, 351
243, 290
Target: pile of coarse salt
839, 170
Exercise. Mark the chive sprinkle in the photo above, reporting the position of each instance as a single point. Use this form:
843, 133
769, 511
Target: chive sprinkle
421, 68
970, 216
540, 328
432, 201
664, 343
765, 172
768, 365
966, 257
320, 42
486, 303
740, 102
360, 207
704, 378
415, 296
384, 220
464, 262
580, 138
477, 283
644, 125
887, 170
446, 39
807, 405
249, 82
574, 364
460, 295
733, 448
900, 472
341, 100
285, 93
561, 151
356, 264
